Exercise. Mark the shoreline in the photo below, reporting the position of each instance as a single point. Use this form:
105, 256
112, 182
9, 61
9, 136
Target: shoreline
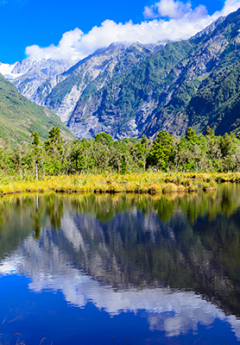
106, 183
137, 183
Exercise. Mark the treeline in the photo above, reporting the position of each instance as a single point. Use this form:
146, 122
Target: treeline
102, 154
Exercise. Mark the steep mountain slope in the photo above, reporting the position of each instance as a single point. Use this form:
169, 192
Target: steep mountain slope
30, 73
217, 101
113, 108
208, 92
163, 90
62, 93
128, 91
154, 95
19, 117
59, 84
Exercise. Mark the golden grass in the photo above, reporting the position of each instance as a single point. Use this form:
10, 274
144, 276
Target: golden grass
147, 182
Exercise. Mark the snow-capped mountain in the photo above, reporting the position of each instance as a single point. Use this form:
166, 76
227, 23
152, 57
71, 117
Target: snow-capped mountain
27, 75
33, 73
130, 90
41, 81
7, 71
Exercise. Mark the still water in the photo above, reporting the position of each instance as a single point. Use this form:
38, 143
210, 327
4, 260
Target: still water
123, 269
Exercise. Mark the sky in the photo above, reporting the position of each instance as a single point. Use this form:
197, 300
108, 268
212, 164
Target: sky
73, 29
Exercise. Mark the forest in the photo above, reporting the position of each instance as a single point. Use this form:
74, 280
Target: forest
167, 153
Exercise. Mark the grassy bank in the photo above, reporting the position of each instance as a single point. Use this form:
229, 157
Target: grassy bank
148, 182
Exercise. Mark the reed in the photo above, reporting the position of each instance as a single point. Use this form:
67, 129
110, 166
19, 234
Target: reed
146, 182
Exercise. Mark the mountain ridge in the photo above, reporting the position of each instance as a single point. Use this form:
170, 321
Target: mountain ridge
134, 90
158, 94
19, 117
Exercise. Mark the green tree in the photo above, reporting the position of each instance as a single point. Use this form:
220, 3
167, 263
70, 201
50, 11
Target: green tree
147, 146
226, 145
104, 138
77, 156
54, 148
191, 135
210, 132
54, 144
161, 151
36, 152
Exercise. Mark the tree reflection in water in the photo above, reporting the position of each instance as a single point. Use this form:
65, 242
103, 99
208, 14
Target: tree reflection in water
187, 242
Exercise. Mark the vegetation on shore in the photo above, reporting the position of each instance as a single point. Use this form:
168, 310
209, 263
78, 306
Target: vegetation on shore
167, 153
167, 165
146, 182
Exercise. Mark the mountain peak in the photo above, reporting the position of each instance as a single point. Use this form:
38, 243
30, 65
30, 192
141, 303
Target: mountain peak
133, 89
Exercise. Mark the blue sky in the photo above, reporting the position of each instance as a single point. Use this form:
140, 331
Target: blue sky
41, 23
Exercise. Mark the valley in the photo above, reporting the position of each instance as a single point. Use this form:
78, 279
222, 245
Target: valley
130, 90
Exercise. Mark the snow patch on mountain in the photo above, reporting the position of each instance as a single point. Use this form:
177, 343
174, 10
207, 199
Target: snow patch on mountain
7, 71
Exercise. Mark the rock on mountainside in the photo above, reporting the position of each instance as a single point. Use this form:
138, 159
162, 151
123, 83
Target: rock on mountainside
131, 90
62, 93
27, 75
194, 82
156, 93
126, 99
53, 84
31, 73
19, 117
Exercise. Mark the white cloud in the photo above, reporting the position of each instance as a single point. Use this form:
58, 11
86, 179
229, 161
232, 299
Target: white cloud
175, 9
182, 23
167, 8
66, 48
229, 6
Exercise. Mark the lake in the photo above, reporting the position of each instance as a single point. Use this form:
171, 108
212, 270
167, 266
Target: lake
120, 269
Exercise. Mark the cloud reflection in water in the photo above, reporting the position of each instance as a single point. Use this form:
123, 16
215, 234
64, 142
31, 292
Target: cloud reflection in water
175, 312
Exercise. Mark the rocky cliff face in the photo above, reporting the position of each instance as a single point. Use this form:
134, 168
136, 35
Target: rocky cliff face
59, 87
131, 90
33, 73
88, 76
156, 94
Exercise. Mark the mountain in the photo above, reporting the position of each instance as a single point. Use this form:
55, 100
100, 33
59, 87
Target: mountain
27, 75
19, 117
188, 83
130, 90
117, 108
206, 90
156, 93
55, 85
89, 75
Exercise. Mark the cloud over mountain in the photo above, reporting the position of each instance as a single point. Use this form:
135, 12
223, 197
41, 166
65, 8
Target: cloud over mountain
66, 48
167, 20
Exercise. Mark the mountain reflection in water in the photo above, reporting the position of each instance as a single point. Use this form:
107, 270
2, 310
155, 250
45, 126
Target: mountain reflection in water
175, 257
